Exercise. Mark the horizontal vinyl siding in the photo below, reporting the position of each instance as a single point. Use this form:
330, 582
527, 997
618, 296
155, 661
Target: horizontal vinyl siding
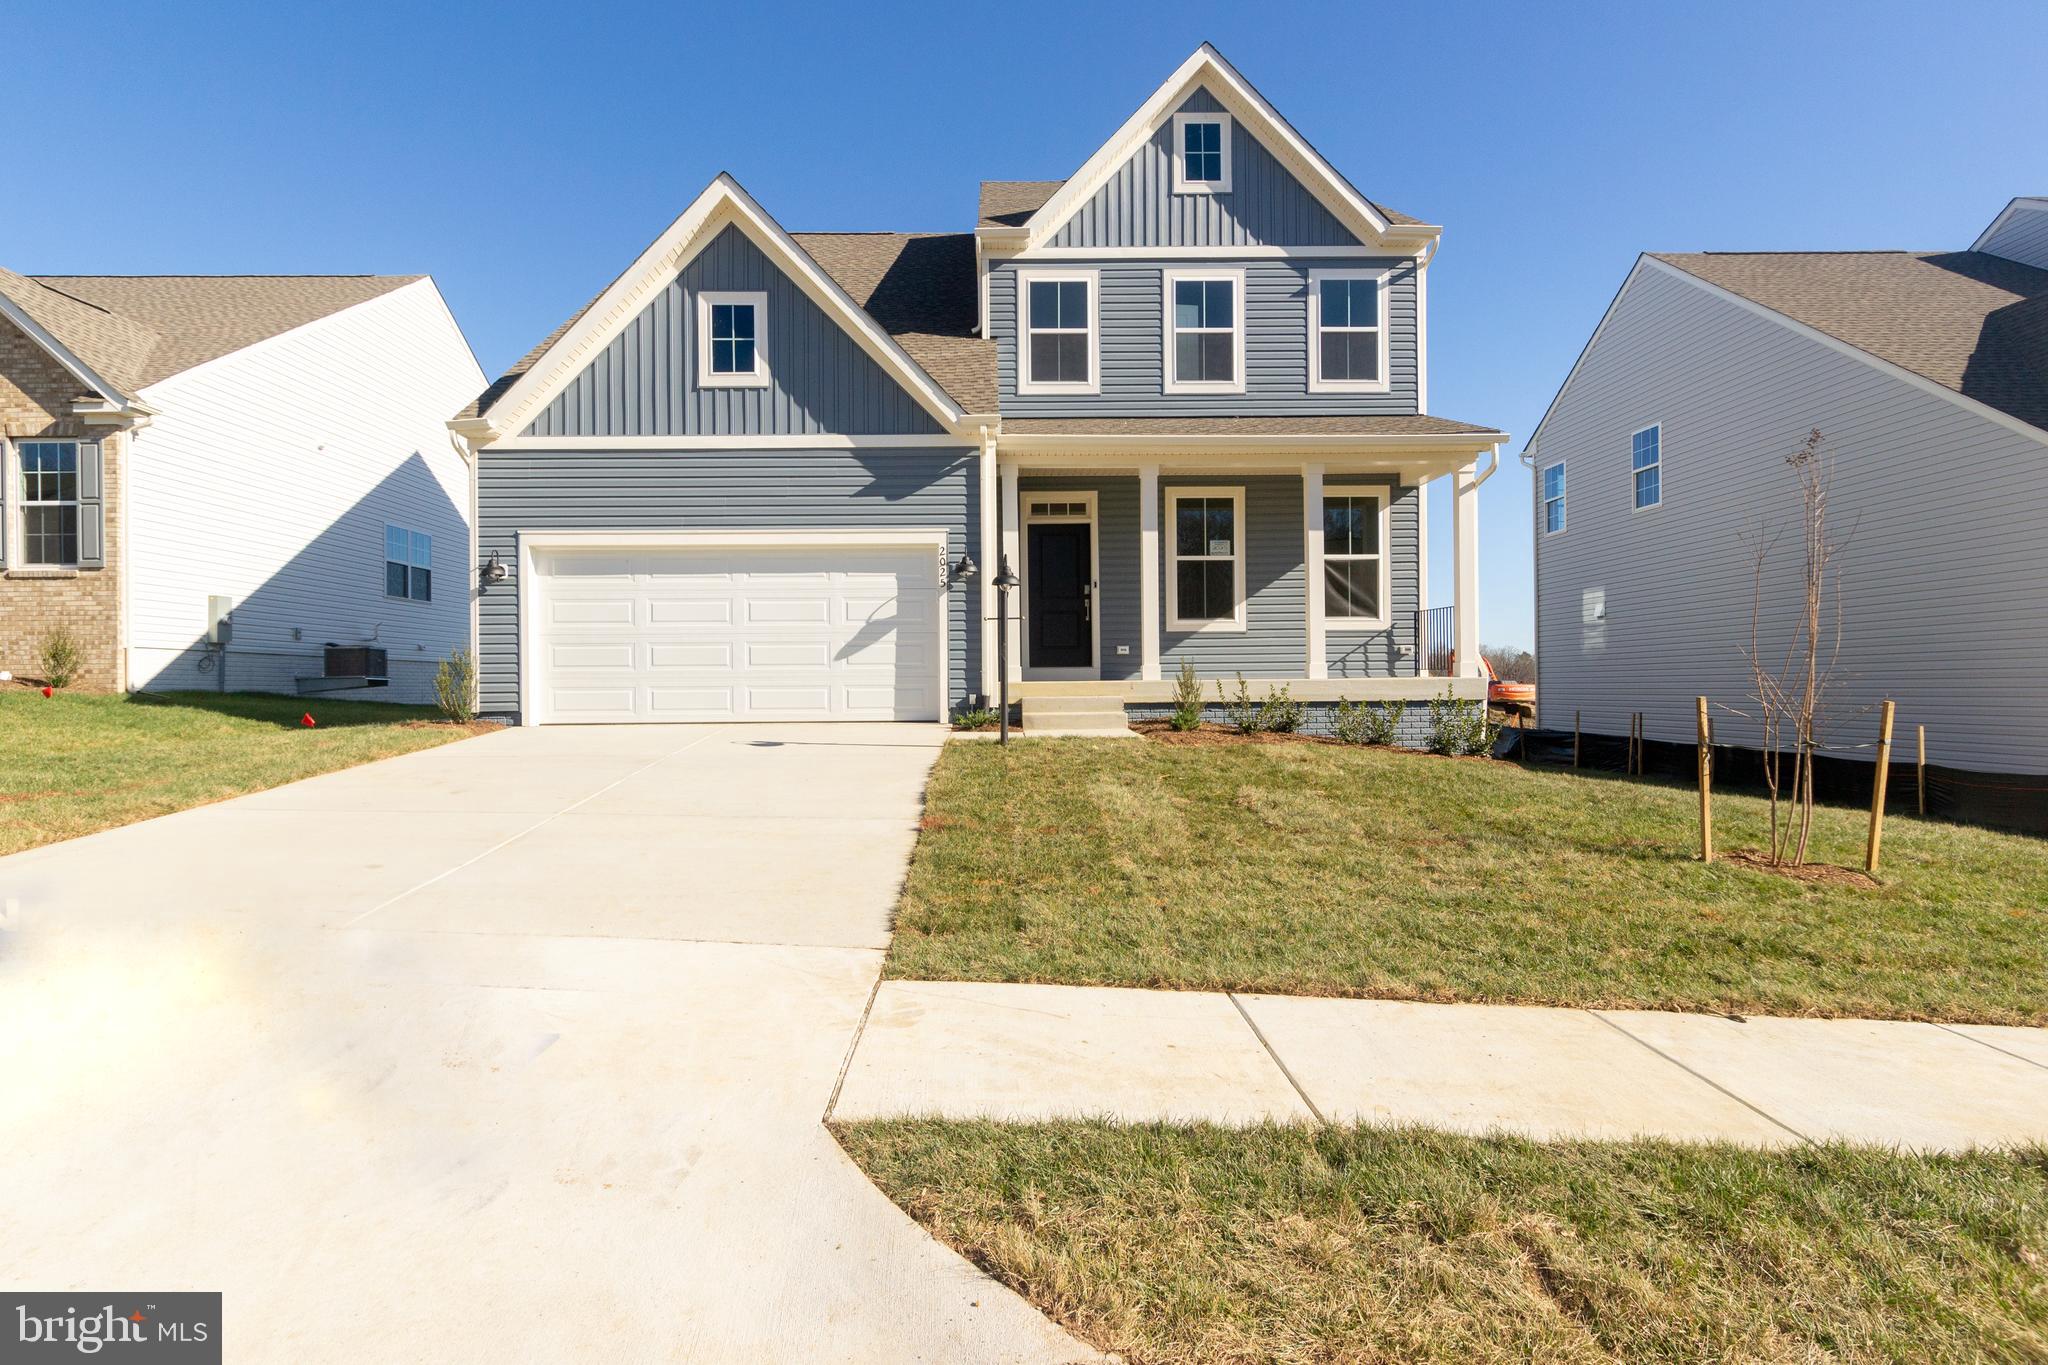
1940, 513
1116, 596
1274, 643
268, 476
645, 382
1265, 204
1275, 343
643, 490
2023, 238
1377, 653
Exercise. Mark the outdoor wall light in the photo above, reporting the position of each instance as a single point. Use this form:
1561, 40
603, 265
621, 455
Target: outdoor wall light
963, 570
492, 572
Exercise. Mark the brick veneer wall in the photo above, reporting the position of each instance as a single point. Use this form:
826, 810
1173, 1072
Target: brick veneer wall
36, 397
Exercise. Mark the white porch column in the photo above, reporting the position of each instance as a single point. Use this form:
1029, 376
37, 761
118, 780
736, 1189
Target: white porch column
991, 549
1011, 517
1312, 559
1148, 572
1465, 563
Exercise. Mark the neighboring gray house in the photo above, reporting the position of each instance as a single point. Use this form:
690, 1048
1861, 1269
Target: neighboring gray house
771, 475
1659, 470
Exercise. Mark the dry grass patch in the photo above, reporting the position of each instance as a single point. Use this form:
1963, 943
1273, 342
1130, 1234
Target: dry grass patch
1303, 1245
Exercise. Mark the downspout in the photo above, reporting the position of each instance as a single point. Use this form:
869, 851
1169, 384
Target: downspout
469, 458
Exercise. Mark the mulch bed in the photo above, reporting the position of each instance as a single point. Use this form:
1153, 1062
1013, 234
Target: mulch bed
1820, 874
1164, 733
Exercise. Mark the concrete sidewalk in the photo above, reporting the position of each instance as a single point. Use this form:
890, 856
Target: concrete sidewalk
1016, 1052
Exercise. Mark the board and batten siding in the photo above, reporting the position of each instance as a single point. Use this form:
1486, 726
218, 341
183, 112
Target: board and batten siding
778, 490
1942, 514
1276, 341
1264, 206
644, 383
268, 476
2022, 237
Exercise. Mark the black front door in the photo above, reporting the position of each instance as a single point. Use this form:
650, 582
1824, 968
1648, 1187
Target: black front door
1062, 635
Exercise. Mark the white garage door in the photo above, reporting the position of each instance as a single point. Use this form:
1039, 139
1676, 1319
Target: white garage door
738, 633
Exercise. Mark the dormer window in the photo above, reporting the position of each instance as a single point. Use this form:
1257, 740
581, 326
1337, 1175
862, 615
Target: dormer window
731, 339
1201, 153
1058, 326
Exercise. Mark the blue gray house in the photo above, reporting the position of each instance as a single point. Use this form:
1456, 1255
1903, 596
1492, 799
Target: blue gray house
1183, 393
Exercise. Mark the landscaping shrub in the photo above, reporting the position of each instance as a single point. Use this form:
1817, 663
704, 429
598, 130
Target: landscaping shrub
1461, 727
455, 686
1242, 710
1369, 722
1187, 699
59, 656
976, 718
1280, 712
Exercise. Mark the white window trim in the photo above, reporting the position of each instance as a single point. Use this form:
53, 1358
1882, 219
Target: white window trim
385, 561
1091, 278
1168, 383
1087, 516
1563, 498
1174, 622
758, 378
1633, 505
1316, 382
18, 503
1378, 497
1183, 185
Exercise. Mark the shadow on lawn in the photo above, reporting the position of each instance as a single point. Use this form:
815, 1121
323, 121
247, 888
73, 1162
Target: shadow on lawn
271, 708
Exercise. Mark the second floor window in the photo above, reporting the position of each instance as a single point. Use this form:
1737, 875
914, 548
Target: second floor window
1201, 153
1347, 330
49, 502
1059, 333
408, 564
1646, 459
1204, 333
1553, 498
731, 332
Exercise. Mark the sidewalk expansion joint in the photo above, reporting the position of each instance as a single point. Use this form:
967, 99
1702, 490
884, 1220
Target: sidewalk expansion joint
1763, 1114
1266, 1043
1973, 1038
851, 1048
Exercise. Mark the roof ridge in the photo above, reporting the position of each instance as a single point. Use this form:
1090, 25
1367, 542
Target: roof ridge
231, 275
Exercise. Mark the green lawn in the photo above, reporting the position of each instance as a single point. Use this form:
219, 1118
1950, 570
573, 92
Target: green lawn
76, 762
1319, 869
1300, 1244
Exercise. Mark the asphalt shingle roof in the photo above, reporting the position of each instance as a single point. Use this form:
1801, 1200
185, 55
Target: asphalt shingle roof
1318, 425
135, 330
1969, 321
1010, 203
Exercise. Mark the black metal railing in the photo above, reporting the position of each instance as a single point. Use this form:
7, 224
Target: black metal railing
1436, 642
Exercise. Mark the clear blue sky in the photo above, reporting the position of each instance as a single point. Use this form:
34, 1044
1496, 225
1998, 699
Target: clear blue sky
523, 156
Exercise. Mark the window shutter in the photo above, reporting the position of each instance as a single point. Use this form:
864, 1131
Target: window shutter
92, 512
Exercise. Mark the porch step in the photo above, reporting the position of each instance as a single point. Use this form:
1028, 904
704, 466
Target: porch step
1051, 717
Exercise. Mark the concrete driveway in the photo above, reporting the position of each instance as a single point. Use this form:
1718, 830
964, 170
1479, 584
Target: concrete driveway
514, 1049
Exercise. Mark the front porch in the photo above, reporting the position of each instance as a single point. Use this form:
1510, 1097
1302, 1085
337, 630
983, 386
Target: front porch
1304, 571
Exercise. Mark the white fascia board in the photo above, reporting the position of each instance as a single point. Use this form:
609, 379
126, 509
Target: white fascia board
723, 203
1208, 69
1469, 444
1836, 344
2026, 203
61, 353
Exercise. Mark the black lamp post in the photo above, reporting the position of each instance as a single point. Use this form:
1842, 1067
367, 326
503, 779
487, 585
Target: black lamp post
1005, 580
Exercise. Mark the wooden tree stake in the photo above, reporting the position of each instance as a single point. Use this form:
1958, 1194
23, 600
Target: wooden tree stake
1884, 767
1920, 769
1575, 739
1706, 785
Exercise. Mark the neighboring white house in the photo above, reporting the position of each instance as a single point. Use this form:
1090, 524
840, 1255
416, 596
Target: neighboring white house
275, 441
1659, 471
